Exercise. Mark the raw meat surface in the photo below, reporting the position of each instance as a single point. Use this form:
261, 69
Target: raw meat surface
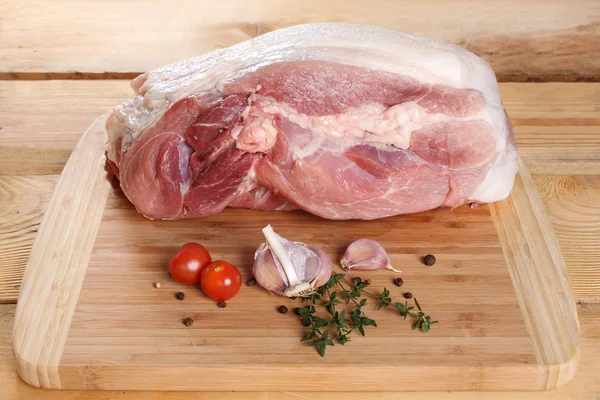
343, 121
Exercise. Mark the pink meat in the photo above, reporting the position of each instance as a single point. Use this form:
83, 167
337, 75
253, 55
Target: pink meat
338, 140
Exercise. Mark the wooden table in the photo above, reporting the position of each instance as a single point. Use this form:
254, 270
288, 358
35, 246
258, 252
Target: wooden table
63, 63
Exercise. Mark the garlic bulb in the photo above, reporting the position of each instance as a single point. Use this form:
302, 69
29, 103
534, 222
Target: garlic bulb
366, 255
290, 268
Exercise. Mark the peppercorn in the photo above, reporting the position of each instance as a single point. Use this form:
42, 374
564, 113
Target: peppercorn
367, 282
282, 309
429, 260
408, 295
297, 310
306, 322
398, 282
188, 321
157, 285
180, 295
356, 281
251, 282
221, 304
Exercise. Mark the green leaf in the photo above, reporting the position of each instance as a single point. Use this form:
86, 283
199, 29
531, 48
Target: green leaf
342, 318
361, 330
417, 304
369, 322
309, 335
399, 306
322, 348
362, 303
313, 342
414, 326
425, 326
320, 322
433, 322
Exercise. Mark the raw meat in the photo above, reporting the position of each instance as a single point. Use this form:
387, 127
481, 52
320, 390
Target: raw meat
343, 121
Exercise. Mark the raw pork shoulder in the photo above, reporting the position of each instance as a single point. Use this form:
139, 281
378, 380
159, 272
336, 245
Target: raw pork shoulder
343, 121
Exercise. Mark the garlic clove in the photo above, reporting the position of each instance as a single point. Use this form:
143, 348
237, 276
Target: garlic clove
366, 255
267, 272
290, 268
325, 268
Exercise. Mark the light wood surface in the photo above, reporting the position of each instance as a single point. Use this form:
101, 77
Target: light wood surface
584, 386
56, 266
532, 254
523, 40
501, 327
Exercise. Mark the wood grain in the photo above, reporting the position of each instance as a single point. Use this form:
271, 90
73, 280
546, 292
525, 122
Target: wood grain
556, 124
549, 40
41, 122
536, 264
573, 203
585, 385
56, 266
24, 200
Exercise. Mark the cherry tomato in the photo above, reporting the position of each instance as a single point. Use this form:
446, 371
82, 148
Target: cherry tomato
187, 264
221, 281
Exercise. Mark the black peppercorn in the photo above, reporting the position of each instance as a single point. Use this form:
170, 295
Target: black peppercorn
429, 260
398, 282
306, 322
367, 282
180, 295
221, 304
297, 310
251, 282
408, 295
282, 309
188, 321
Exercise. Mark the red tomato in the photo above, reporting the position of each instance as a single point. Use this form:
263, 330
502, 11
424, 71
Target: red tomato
221, 281
187, 264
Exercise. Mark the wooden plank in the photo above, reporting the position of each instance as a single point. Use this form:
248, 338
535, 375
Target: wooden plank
523, 41
40, 122
120, 324
556, 126
585, 385
533, 255
24, 200
573, 204
63, 249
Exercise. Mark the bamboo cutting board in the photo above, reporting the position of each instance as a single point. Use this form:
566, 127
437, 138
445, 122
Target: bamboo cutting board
88, 316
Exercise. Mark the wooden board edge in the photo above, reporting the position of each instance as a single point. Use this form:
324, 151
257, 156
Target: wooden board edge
549, 308
314, 377
58, 261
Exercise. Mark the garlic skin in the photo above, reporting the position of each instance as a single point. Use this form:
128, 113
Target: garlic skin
366, 255
290, 268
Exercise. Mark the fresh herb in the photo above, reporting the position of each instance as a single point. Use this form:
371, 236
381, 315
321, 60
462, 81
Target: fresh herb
385, 299
323, 331
422, 322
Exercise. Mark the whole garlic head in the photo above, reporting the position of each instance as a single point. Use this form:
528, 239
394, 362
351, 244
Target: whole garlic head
290, 268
